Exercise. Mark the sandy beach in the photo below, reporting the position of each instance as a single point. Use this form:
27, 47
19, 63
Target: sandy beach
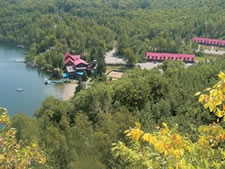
68, 91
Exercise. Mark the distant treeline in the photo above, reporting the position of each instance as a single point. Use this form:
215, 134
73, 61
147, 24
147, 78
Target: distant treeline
50, 28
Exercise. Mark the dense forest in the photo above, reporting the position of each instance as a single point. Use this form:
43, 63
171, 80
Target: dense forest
50, 28
80, 133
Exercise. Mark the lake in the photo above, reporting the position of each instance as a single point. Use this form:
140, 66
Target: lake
15, 75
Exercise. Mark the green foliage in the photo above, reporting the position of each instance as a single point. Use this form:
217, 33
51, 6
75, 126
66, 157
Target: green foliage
52, 28
26, 128
130, 57
79, 133
80, 86
214, 101
85, 76
167, 149
101, 67
13, 153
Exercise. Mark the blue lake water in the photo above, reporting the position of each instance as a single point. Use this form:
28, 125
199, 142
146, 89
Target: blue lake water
15, 75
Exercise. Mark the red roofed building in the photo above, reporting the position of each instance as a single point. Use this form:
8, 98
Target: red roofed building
74, 64
206, 41
73, 57
74, 60
170, 56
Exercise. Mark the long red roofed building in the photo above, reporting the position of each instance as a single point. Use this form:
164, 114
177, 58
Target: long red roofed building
206, 41
170, 56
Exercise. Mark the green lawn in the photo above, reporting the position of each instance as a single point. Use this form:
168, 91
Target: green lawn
116, 68
203, 58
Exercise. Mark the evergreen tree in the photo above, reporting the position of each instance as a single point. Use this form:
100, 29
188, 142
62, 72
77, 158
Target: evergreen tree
80, 86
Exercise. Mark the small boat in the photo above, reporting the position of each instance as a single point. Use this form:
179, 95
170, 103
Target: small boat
19, 89
47, 81
21, 46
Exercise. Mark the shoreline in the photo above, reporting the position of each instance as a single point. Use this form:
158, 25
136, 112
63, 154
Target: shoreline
68, 91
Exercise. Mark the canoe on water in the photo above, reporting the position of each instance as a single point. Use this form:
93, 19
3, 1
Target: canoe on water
19, 90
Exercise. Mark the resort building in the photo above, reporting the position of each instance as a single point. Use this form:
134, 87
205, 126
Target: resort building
189, 58
211, 42
74, 65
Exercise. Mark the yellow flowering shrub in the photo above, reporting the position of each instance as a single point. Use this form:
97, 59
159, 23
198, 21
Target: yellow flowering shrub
166, 149
214, 98
15, 154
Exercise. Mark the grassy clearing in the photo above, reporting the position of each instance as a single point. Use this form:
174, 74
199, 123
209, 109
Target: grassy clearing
116, 68
219, 48
204, 58
205, 47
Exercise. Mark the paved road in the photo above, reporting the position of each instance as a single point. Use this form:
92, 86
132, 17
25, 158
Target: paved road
148, 65
213, 52
111, 59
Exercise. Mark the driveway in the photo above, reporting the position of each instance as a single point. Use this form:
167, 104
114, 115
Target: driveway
148, 65
111, 59
214, 52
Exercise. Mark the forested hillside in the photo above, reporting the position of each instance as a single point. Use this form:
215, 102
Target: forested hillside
79, 133
50, 28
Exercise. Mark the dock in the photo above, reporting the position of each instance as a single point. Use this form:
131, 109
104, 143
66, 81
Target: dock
47, 81
20, 61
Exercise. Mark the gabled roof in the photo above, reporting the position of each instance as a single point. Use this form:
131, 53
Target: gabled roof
73, 57
68, 60
76, 62
209, 41
79, 61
